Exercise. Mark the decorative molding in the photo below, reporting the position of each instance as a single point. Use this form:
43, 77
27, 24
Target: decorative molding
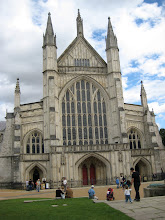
17, 127
52, 109
16, 138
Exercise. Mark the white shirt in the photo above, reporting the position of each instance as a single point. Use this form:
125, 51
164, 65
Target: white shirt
65, 182
127, 192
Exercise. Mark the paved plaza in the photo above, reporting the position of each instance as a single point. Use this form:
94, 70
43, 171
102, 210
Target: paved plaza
151, 208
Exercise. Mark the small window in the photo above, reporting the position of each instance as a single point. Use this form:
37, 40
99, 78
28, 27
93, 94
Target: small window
33, 149
69, 134
68, 120
64, 134
79, 121
38, 148
43, 148
73, 120
85, 133
84, 120
27, 149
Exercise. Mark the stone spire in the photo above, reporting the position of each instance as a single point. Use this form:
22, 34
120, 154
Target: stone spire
111, 40
17, 88
79, 25
49, 38
143, 96
17, 95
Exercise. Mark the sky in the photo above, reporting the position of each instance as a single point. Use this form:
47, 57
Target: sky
139, 26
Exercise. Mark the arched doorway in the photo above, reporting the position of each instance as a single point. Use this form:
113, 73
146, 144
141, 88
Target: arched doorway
92, 171
143, 167
35, 174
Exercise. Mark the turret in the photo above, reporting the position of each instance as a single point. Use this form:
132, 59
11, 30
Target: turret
50, 88
17, 96
117, 116
143, 97
49, 47
112, 50
79, 25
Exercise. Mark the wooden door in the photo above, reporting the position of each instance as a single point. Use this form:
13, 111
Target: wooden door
92, 174
85, 175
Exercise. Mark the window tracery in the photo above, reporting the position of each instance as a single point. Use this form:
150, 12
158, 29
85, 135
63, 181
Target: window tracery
134, 139
84, 115
35, 144
81, 62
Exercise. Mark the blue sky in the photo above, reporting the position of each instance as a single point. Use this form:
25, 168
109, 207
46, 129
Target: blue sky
139, 26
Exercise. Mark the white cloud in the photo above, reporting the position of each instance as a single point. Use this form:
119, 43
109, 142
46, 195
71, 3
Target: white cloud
144, 12
24, 21
158, 108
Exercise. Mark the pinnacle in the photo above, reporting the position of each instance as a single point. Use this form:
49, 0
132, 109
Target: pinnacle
49, 38
17, 88
79, 24
111, 38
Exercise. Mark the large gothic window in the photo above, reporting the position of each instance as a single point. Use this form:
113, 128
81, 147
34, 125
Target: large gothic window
84, 115
134, 139
35, 144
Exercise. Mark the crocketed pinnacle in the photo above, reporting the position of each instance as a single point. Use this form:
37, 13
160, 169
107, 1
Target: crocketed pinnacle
143, 95
49, 38
79, 25
17, 88
111, 40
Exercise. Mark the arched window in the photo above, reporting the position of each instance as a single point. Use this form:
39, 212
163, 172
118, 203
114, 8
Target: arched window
134, 139
84, 115
35, 144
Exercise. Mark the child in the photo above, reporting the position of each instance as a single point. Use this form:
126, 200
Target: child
110, 194
117, 182
127, 194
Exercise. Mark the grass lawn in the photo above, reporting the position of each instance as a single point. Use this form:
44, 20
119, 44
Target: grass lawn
80, 208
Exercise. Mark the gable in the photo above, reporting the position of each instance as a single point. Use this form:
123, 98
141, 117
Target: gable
81, 53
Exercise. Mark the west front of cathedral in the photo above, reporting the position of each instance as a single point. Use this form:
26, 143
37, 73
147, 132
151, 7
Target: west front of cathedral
81, 129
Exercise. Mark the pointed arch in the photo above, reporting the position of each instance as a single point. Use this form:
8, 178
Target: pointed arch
38, 146
87, 78
135, 137
32, 166
99, 157
144, 166
83, 106
24, 139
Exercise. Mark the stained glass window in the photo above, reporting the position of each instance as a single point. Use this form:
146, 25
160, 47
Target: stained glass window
35, 143
84, 114
134, 139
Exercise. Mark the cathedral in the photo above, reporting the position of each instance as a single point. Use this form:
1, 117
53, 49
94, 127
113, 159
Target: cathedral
81, 129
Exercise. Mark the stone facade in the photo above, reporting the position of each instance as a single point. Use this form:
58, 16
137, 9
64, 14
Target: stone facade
81, 129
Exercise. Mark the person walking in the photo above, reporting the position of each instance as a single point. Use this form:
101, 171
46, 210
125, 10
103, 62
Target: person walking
121, 181
127, 194
117, 182
30, 184
38, 183
136, 179
65, 184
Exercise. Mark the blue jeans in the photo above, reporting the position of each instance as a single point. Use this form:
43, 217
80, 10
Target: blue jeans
38, 188
128, 197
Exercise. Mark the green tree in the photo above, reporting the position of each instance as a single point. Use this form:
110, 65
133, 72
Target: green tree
162, 134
